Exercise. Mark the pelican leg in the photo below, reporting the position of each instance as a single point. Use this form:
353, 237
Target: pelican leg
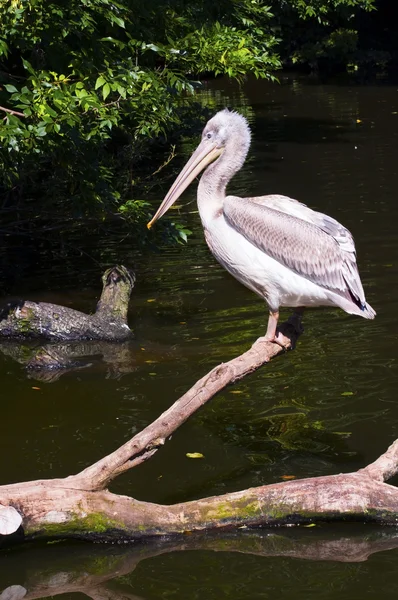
270, 334
272, 325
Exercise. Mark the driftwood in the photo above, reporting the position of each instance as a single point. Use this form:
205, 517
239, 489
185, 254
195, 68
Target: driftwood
81, 506
42, 320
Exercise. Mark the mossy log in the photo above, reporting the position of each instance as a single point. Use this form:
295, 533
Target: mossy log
42, 320
81, 506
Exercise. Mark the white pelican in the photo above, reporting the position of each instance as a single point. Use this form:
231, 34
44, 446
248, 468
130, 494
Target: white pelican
287, 253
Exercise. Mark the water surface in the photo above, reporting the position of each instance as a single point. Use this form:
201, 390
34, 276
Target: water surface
328, 407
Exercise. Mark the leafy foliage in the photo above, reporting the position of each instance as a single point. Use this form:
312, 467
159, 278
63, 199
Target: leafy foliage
324, 10
88, 86
322, 34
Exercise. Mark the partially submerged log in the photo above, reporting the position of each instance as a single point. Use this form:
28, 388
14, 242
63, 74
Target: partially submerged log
42, 320
81, 506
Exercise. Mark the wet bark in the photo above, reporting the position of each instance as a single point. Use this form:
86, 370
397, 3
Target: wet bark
42, 320
81, 506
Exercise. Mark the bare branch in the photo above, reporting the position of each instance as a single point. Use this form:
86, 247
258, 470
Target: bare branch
79, 506
386, 466
12, 112
167, 161
143, 445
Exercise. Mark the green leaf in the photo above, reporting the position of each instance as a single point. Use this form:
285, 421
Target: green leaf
11, 89
122, 91
118, 21
153, 47
106, 91
100, 82
194, 455
112, 40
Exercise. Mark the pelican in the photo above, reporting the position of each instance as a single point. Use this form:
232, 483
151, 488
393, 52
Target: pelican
287, 253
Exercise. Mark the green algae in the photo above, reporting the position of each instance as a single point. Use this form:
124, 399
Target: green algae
94, 523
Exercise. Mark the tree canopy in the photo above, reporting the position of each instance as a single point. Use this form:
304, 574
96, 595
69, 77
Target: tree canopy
87, 85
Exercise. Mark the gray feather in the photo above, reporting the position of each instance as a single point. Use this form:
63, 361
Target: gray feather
310, 243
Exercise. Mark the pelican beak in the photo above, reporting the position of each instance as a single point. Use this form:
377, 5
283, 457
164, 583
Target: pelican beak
204, 154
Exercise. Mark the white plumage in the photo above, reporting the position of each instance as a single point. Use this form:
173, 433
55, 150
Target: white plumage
287, 253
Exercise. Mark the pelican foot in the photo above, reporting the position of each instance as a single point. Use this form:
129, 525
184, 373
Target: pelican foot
279, 339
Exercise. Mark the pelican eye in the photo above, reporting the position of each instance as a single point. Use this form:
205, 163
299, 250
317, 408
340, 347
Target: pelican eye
209, 135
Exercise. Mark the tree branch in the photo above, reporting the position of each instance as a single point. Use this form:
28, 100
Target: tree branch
12, 112
144, 445
386, 466
79, 506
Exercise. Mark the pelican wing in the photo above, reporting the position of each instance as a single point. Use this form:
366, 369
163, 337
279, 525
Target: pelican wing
297, 209
309, 243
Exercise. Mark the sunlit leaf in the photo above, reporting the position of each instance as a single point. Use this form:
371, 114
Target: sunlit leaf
100, 82
11, 88
106, 91
194, 455
118, 21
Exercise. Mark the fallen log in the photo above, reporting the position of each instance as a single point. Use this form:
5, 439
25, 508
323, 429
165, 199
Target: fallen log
43, 320
81, 506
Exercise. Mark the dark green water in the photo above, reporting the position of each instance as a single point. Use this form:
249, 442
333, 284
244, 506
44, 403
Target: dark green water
328, 407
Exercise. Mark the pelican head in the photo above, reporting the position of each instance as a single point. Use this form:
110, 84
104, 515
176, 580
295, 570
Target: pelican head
225, 138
